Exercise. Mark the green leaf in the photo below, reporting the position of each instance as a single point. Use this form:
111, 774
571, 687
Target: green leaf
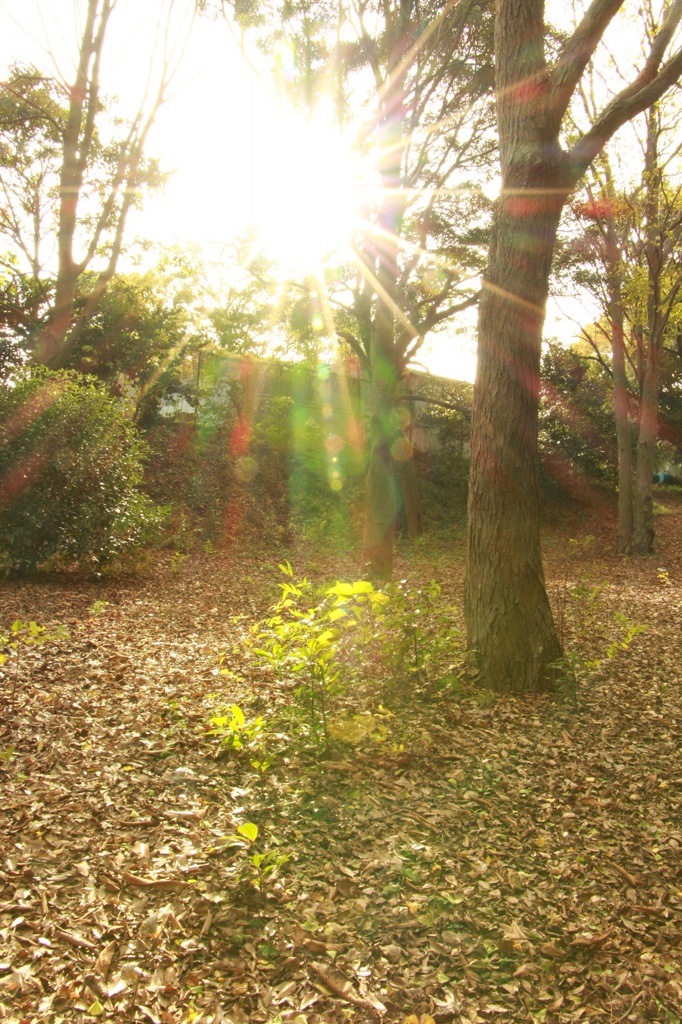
341, 589
248, 830
238, 715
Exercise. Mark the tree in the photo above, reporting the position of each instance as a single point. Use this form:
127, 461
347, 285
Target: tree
138, 339
417, 77
576, 424
660, 245
58, 165
509, 620
629, 258
23, 306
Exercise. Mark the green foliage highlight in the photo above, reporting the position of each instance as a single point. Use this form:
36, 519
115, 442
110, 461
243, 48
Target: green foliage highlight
317, 640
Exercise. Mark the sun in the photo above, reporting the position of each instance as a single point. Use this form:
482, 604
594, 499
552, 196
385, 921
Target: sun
311, 193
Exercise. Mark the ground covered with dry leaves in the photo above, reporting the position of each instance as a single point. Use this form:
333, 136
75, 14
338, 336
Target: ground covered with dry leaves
477, 860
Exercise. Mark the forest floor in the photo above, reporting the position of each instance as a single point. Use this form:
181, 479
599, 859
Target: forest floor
477, 859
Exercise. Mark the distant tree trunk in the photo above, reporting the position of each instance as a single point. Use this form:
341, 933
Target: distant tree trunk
412, 509
509, 620
620, 394
382, 500
643, 526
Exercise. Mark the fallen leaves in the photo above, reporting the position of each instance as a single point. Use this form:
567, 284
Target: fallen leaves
506, 860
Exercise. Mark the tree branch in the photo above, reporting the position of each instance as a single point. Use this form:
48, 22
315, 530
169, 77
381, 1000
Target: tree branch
650, 84
578, 50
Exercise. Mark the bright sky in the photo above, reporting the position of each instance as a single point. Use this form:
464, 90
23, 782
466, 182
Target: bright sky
238, 158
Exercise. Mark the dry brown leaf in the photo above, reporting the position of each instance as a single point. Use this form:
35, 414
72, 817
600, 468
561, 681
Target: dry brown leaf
340, 986
550, 949
105, 959
163, 884
592, 940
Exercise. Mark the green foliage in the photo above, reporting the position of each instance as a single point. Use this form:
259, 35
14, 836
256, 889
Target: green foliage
70, 466
301, 640
23, 306
417, 631
98, 608
28, 634
581, 620
444, 470
256, 464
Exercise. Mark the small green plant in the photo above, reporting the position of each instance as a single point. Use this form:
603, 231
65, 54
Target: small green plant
629, 631
6, 754
177, 560
417, 631
258, 868
300, 642
98, 608
573, 667
234, 731
262, 765
21, 636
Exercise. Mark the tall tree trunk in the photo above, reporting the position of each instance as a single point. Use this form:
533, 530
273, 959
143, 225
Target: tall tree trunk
623, 438
509, 621
381, 487
386, 367
652, 346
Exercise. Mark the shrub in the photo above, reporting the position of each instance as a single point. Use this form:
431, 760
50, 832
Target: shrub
70, 463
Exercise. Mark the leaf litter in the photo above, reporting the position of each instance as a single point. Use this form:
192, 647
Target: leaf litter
488, 859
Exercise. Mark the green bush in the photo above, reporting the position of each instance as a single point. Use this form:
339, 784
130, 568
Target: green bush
70, 463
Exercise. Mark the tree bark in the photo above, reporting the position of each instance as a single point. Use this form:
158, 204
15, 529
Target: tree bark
386, 368
509, 620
